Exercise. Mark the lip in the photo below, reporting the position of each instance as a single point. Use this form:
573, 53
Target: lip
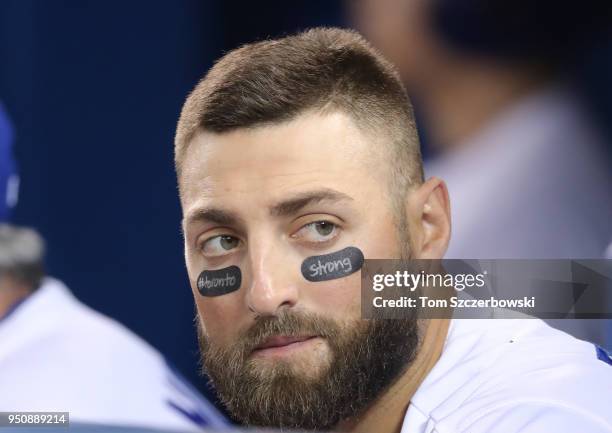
281, 345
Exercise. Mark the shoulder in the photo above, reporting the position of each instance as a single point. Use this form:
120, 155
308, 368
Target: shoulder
526, 376
53, 320
534, 416
68, 355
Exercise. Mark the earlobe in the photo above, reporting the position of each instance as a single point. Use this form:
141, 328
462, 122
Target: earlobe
430, 216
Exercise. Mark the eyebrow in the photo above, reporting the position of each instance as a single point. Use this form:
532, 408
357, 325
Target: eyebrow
213, 216
300, 201
284, 208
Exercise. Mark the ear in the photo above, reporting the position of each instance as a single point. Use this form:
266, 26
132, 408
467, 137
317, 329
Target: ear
428, 211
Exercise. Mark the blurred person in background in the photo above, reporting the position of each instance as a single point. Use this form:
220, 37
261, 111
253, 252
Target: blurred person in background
526, 166
56, 354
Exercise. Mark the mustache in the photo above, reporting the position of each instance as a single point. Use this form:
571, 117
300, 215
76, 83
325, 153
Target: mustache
290, 324
286, 323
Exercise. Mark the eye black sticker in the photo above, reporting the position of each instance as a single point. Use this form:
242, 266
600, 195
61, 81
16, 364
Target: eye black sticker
332, 266
219, 281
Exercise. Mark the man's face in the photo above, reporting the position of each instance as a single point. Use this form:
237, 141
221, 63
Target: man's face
264, 200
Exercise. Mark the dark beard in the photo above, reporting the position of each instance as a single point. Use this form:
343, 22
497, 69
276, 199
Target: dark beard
366, 358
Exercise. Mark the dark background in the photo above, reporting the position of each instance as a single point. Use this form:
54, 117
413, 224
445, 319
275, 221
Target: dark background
94, 90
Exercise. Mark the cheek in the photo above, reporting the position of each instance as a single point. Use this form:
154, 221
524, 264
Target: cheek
213, 312
339, 298
342, 297
218, 316
380, 240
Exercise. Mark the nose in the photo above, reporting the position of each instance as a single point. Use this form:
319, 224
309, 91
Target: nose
272, 285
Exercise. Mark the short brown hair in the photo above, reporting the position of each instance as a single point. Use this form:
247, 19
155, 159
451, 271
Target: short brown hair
324, 69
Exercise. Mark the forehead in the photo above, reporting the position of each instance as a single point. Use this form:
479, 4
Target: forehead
267, 162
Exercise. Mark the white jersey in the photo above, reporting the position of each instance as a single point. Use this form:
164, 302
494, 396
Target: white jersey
56, 354
510, 376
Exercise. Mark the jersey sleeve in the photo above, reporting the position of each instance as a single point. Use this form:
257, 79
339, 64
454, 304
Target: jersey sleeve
535, 417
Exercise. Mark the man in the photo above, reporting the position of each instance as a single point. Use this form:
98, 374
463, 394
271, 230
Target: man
293, 149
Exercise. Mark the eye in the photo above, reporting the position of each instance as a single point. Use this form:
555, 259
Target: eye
318, 231
219, 245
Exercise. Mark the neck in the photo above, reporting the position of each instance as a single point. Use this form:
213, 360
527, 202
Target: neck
462, 98
387, 413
